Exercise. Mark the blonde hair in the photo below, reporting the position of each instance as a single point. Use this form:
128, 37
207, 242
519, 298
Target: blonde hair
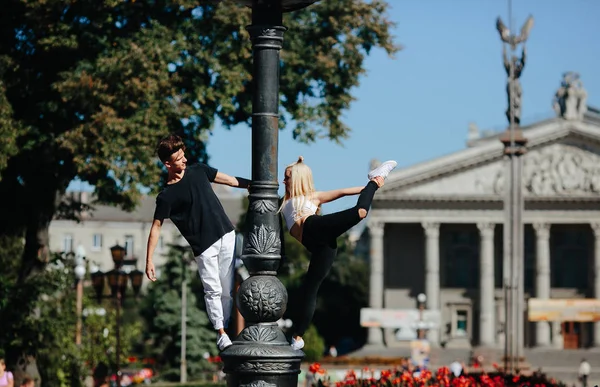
301, 183
301, 180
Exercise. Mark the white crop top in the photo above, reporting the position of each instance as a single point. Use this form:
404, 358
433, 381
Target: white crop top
292, 213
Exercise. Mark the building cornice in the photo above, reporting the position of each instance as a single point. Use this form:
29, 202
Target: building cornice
538, 136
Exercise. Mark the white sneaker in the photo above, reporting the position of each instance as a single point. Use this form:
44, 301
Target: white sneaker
223, 341
383, 170
297, 344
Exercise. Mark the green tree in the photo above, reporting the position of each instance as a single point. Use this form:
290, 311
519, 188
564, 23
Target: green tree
162, 312
314, 345
99, 341
45, 327
87, 88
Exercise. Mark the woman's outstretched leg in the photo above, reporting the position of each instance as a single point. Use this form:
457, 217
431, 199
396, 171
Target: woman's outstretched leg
331, 226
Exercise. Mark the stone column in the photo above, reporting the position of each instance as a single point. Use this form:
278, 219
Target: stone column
596, 229
375, 335
542, 279
432, 273
487, 303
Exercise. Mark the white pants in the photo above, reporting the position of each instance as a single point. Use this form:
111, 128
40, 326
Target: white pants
216, 269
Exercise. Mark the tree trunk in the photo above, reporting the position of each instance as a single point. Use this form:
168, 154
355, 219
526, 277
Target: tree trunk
36, 253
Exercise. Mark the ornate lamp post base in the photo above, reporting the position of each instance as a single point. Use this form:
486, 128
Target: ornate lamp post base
261, 356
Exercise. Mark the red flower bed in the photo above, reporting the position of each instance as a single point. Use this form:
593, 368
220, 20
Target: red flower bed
441, 378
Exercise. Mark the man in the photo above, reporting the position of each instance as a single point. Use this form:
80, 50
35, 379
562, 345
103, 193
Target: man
456, 368
584, 372
190, 202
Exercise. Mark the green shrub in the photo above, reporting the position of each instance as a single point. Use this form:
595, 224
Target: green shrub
314, 345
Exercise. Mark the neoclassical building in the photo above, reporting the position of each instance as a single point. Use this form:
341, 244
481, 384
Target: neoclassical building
437, 228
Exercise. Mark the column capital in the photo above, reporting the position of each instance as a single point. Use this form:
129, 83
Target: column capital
542, 230
375, 227
486, 229
596, 229
432, 229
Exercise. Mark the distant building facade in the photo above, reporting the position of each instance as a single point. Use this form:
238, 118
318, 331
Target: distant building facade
106, 226
437, 228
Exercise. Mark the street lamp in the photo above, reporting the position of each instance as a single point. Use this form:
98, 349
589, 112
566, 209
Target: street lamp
117, 253
261, 354
79, 275
117, 281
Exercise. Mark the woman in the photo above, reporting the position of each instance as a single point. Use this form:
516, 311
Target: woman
6, 377
318, 233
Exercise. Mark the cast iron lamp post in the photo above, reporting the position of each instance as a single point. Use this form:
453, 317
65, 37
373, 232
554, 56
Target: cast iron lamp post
261, 356
117, 280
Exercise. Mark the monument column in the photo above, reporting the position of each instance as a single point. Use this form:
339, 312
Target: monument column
514, 148
375, 335
487, 301
542, 279
432, 273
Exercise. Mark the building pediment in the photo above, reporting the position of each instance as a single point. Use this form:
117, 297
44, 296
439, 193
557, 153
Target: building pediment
563, 160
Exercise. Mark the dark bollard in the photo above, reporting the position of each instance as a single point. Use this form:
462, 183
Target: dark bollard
261, 356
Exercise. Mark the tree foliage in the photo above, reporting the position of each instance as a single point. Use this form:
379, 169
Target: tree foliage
38, 322
162, 313
99, 342
88, 87
314, 345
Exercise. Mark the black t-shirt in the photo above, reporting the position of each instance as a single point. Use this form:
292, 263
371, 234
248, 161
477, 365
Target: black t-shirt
194, 208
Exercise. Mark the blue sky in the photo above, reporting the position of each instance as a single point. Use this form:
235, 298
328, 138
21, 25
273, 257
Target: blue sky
418, 106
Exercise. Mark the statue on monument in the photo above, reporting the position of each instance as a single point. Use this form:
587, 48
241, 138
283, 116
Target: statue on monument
570, 99
516, 64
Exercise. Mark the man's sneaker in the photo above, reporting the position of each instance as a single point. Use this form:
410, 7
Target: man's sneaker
383, 170
223, 341
297, 344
